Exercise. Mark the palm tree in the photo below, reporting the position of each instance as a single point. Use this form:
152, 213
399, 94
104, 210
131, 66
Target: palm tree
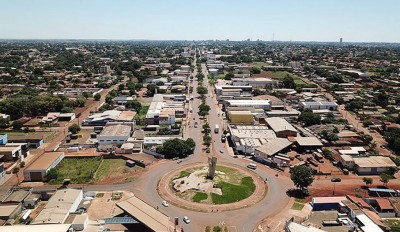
16, 171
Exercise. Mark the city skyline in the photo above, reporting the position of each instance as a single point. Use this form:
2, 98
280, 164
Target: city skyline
176, 20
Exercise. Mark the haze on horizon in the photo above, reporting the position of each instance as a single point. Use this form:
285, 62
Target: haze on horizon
305, 20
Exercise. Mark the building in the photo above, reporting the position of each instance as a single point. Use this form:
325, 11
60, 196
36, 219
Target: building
281, 127
256, 83
322, 105
37, 228
327, 203
115, 134
10, 211
66, 117
241, 117
272, 147
308, 143
14, 151
59, 206
373, 165
250, 104
292, 226
101, 119
165, 112
37, 170
246, 138
146, 214
122, 100
104, 69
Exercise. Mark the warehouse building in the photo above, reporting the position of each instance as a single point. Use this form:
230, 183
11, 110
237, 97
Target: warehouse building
250, 104
37, 170
322, 105
147, 215
59, 206
281, 127
115, 134
241, 117
256, 83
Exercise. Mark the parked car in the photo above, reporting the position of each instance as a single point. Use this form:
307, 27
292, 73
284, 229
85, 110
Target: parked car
336, 180
165, 203
179, 161
186, 219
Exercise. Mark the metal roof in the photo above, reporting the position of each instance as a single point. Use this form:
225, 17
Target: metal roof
120, 220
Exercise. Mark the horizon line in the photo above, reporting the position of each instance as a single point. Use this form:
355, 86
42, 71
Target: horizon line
199, 40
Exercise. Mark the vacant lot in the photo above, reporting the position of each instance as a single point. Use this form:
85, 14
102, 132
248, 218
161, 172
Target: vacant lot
112, 168
79, 170
142, 113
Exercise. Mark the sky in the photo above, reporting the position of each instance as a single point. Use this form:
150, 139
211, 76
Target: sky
288, 20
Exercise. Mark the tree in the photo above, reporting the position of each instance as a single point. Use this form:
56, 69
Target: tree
66, 109
4, 123
151, 89
52, 174
16, 171
121, 87
309, 118
97, 97
288, 82
136, 105
367, 180
202, 90
17, 125
176, 148
229, 76
385, 178
74, 129
301, 176
255, 70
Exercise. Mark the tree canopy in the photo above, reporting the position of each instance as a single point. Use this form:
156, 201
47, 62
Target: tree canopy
309, 118
176, 148
301, 176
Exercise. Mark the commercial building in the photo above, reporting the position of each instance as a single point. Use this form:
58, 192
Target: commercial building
10, 211
256, 83
59, 206
281, 127
322, 105
14, 151
308, 143
101, 119
165, 112
241, 117
37, 170
373, 165
146, 214
122, 100
272, 147
37, 228
246, 138
250, 104
115, 134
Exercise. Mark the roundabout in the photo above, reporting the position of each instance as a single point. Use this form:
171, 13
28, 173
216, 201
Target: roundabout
233, 187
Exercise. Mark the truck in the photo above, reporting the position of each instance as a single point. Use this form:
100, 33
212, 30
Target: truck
216, 129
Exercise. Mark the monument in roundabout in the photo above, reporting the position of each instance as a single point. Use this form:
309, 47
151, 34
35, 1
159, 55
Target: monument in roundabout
212, 184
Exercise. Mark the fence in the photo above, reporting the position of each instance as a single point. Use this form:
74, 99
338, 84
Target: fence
153, 153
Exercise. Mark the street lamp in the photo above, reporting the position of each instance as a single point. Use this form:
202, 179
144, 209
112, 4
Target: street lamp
334, 188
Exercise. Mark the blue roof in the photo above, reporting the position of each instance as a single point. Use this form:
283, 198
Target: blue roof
381, 190
120, 220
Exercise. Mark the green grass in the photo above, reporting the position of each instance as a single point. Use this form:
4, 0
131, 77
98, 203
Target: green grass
99, 195
258, 64
297, 206
394, 224
79, 170
112, 167
199, 197
142, 113
184, 174
233, 193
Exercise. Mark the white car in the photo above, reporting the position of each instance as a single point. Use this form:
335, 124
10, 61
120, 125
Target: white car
165, 203
186, 219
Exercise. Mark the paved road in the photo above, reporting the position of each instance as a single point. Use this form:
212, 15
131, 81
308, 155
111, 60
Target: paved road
61, 133
243, 220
